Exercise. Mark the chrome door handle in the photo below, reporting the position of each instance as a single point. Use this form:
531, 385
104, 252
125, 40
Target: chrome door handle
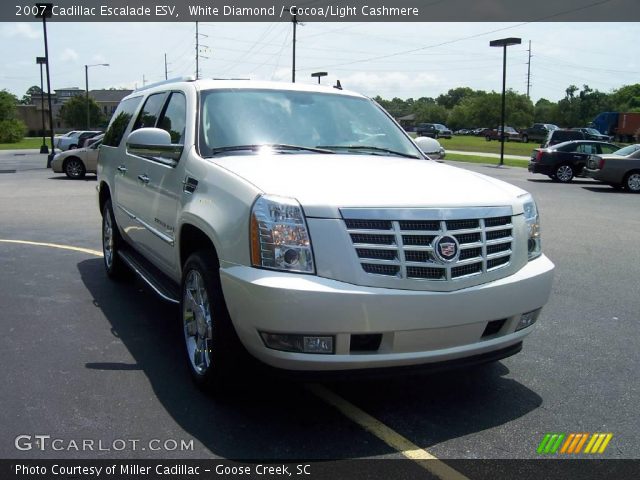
122, 169
143, 178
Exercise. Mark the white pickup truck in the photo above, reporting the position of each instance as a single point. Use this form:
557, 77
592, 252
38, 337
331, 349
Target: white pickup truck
300, 225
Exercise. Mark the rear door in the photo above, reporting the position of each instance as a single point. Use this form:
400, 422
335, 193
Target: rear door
114, 162
580, 155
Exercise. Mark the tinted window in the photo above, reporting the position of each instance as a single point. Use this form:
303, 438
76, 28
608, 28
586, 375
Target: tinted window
175, 117
120, 121
150, 111
608, 148
587, 148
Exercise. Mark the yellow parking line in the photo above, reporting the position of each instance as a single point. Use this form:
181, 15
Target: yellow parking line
392, 438
55, 245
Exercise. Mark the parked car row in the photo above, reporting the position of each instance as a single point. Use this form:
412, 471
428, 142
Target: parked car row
75, 139
602, 161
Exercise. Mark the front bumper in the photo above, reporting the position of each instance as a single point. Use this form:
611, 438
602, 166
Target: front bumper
417, 327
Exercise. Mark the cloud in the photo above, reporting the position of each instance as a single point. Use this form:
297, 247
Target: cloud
393, 83
21, 30
69, 55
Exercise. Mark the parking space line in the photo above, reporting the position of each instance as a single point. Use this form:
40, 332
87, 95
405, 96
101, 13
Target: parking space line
55, 245
389, 436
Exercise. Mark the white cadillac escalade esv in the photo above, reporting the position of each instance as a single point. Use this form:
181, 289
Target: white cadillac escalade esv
301, 224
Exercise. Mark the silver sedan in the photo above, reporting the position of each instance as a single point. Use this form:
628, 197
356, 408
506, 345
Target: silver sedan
621, 169
76, 163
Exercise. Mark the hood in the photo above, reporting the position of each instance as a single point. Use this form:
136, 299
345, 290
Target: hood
325, 183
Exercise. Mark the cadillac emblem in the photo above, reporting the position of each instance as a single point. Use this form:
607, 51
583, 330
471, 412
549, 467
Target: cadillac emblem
446, 249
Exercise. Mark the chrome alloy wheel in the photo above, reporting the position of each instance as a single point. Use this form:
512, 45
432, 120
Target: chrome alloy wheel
633, 182
197, 323
107, 239
564, 173
74, 168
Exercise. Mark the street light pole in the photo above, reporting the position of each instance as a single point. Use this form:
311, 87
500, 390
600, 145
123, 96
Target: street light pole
44, 11
41, 61
86, 85
504, 43
295, 24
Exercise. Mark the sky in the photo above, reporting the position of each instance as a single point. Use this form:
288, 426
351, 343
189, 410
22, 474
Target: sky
406, 60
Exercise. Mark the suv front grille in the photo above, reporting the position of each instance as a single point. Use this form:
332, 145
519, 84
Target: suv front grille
405, 249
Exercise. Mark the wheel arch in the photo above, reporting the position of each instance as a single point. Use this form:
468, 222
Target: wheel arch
193, 238
104, 194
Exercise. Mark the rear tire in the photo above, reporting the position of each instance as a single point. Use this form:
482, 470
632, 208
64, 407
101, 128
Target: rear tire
214, 353
632, 181
487, 138
564, 173
525, 139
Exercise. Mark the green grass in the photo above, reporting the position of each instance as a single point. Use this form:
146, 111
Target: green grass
25, 144
488, 160
468, 143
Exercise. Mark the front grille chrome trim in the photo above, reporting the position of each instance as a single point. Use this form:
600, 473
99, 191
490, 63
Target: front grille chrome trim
411, 252
417, 214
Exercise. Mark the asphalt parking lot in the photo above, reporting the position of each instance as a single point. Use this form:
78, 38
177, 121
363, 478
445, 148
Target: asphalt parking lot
86, 358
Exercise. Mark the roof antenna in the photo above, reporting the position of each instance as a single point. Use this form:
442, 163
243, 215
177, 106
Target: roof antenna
338, 85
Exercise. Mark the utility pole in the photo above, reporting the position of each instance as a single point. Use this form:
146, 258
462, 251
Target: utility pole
198, 45
294, 20
197, 52
529, 70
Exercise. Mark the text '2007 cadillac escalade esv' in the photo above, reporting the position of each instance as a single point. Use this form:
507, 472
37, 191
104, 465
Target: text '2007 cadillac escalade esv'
300, 225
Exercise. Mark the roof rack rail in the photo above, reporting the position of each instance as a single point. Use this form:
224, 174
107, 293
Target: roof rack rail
189, 78
233, 78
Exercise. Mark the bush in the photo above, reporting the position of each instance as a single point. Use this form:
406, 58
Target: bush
11, 131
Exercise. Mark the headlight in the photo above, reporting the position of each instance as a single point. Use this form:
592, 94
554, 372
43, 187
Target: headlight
532, 218
279, 235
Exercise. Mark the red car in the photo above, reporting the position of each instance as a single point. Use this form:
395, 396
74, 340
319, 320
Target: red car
510, 134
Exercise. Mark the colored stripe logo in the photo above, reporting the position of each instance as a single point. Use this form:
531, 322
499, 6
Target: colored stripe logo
574, 443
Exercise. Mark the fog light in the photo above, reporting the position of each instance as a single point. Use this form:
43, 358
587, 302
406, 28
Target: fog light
298, 343
527, 319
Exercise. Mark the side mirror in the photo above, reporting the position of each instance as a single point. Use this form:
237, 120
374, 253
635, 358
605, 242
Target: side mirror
154, 144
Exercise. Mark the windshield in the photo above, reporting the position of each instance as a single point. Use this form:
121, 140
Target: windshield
592, 131
298, 121
628, 150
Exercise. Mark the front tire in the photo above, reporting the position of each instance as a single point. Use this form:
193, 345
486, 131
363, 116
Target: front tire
632, 181
214, 352
74, 168
525, 139
487, 138
111, 243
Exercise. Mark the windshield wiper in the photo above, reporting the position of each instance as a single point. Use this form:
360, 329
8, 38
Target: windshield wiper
275, 146
370, 148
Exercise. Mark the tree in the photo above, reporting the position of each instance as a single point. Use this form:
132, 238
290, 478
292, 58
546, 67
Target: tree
454, 96
11, 128
626, 99
545, 111
74, 112
33, 91
8, 103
